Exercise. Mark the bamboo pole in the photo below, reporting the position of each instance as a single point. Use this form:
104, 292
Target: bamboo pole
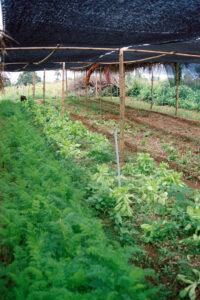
100, 49
152, 95
96, 86
91, 63
44, 86
60, 48
162, 52
63, 89
33, 86
122, 103
177, 87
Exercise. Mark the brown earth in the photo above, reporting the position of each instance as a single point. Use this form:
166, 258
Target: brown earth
133, 144
182, 127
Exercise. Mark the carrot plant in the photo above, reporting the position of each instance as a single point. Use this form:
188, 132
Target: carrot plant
52, 247
149, 209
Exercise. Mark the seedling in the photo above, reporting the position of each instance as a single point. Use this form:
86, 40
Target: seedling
193, 284
146, 134
144, 143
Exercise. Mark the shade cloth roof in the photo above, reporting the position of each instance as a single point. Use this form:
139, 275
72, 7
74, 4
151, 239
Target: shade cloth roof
165, 25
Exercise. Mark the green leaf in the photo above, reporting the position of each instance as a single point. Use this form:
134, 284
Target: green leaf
184, 292
192, 293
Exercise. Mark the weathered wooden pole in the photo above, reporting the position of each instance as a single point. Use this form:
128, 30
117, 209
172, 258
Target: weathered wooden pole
177, 86
44, 86
96, 86
63, 89
152, 94
74, 84
86, 91
33, 86
66, 86
100, 90
122, 102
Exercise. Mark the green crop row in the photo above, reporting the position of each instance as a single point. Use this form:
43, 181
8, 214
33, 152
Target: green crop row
52, 247
167, 209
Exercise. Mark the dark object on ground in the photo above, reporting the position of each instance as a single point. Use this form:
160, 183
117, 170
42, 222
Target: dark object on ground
23, 98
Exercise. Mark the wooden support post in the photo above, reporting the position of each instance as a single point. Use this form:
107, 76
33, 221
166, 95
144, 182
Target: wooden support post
86, 89
63, 89
86, 94
74, 84
96, 86
33, 86
44, 86
152, 94
177, 86
122, 102
66, 86
100, 90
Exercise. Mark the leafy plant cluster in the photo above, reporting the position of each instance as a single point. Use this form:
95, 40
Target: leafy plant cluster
164, 94
143, 183
52, 247
74, 140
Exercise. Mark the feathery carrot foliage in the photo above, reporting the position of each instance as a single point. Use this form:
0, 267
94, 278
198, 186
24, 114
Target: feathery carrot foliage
52, 247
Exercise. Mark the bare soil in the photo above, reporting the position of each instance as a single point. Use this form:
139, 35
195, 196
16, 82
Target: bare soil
153, 133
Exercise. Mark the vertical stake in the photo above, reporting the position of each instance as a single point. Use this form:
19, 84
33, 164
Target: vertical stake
44, 86
100, 90
63, 89
122, 103
33, 86
74, 84
152, 96
66, 87
117, 157
177, 86
96, 85
86, 90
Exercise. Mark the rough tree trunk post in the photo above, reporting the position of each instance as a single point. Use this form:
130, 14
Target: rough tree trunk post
152, 95
100, 90
122, 102
63, 89
96, 86
177, 87
66, 87
44, 86
33, 86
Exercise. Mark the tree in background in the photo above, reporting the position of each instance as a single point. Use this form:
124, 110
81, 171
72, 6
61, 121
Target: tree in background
171, 73
197, 69
6, 81
57, 75
27, 78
